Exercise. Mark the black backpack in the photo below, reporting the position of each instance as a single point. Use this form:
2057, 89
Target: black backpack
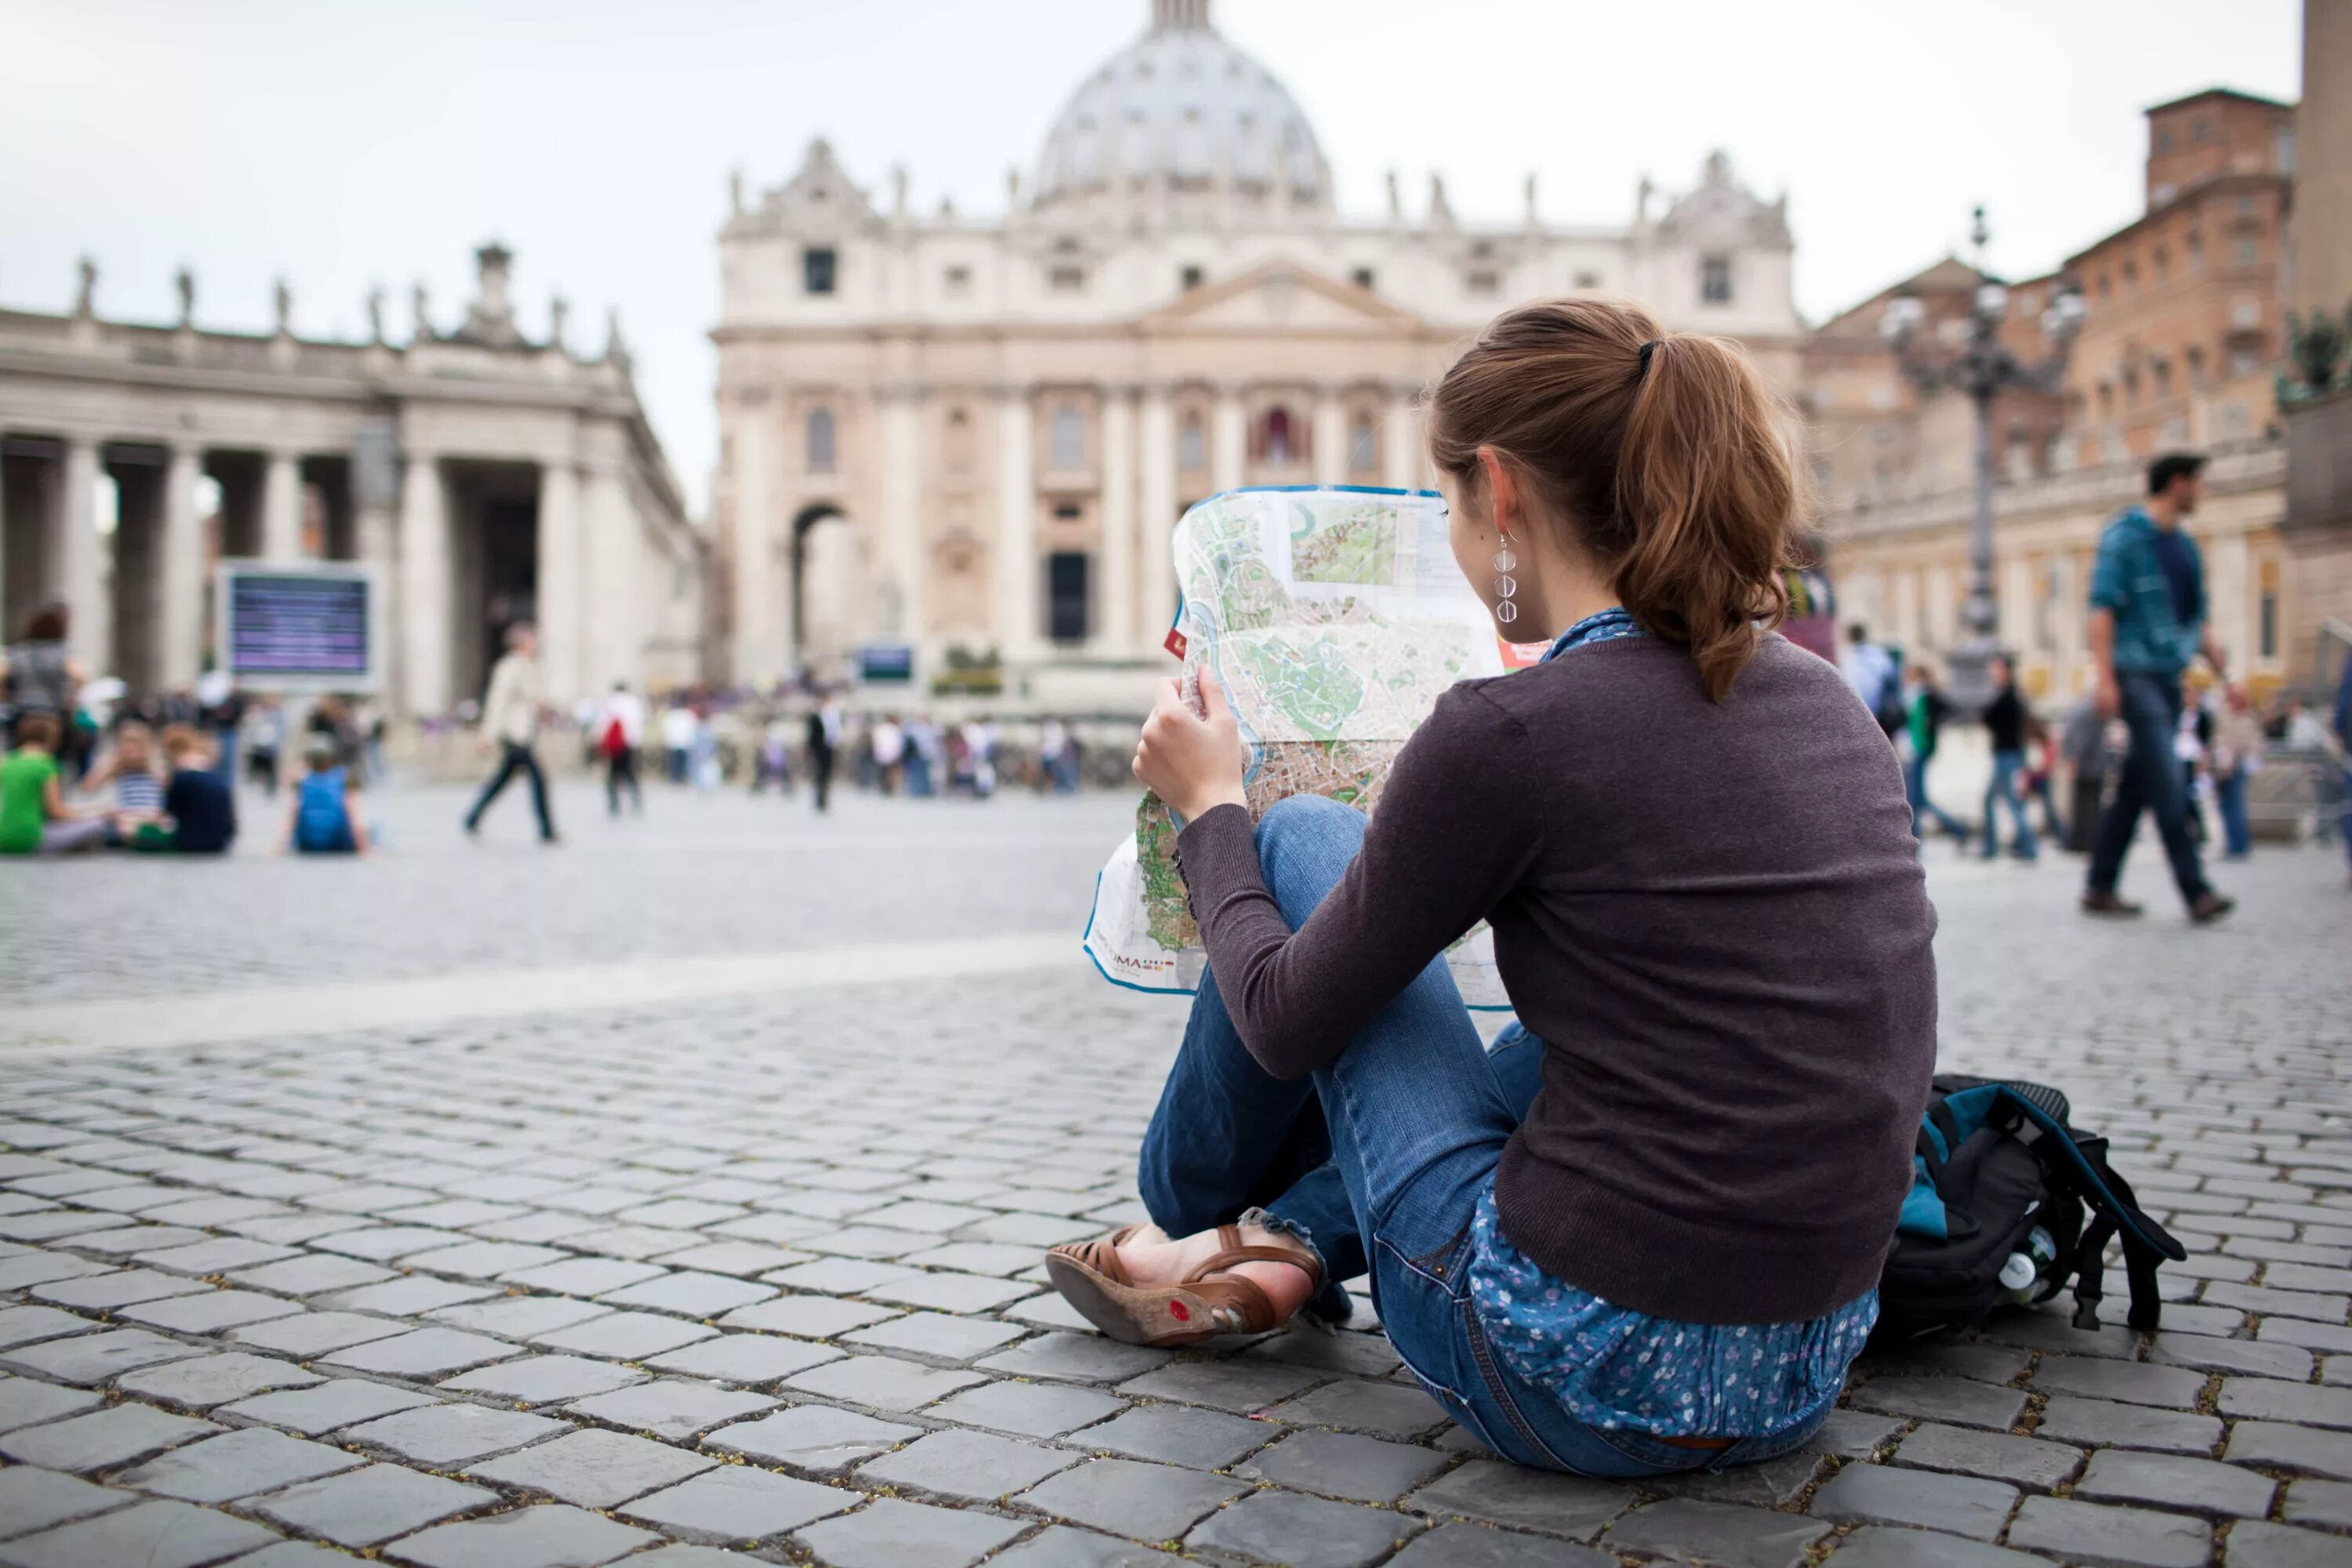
1996, 1161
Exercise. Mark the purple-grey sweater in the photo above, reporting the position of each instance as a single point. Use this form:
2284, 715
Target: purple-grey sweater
1712, 914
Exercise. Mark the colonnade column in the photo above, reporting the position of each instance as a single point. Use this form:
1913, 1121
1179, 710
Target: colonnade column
1016, 525
1401, 443
1117, 632
1159, 506
281, 507
560, 576
181, 560
426, 584
763, 630
1228, 441
79, 553
618, 582
1331, 439
376, 491
902, 511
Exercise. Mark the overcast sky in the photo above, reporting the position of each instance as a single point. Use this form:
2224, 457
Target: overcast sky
348, 143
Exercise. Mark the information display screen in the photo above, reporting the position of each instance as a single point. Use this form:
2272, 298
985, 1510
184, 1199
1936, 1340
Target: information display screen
296, 624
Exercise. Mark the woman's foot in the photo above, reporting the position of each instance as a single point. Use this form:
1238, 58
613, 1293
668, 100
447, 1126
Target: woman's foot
1142, 1287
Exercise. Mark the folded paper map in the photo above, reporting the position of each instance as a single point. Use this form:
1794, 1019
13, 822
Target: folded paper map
1334, 617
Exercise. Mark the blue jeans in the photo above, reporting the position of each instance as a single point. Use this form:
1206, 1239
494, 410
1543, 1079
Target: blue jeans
2007, 788
2152, 779
1378, 1162
1914, 785
2237, 828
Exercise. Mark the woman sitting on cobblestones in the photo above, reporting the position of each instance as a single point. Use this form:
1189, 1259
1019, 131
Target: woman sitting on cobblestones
1643, 1236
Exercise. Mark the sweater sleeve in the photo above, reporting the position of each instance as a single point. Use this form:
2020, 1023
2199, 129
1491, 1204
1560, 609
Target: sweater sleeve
1459, 824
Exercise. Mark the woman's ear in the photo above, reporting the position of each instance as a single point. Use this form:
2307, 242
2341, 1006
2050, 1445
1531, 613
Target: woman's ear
1502, 491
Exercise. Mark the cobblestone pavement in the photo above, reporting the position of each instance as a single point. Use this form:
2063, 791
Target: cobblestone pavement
758, 1276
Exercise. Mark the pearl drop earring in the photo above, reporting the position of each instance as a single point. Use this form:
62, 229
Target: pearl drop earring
1505, 585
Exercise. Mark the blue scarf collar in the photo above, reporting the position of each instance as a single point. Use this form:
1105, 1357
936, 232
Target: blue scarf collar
1602, 625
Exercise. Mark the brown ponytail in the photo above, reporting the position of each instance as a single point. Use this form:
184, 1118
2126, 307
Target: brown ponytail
1668, 462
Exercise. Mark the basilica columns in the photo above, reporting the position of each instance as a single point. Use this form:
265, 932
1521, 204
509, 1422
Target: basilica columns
1117, 632
1400, 463
558, 596
281, 506
1159, 506
616, 578
1330, 441
765, 630
426, 586
1016, 534
81, 557
181, 561
1228, 441
902, 514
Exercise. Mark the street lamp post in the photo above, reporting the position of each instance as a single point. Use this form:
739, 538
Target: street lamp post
1983, 368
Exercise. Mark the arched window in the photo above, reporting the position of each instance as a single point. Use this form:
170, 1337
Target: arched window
1067, 447
820, 441
1191, 445
959, 441
1279, 439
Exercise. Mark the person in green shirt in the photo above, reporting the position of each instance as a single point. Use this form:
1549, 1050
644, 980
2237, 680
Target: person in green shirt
34, 816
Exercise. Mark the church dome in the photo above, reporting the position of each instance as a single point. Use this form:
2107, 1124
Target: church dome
1182, 111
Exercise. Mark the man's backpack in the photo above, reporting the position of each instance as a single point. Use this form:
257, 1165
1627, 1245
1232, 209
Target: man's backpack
1998, 1172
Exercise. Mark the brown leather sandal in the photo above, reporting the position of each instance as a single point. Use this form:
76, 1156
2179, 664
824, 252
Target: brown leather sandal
1090, 1277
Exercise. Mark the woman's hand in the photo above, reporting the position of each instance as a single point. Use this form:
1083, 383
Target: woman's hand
1194, 762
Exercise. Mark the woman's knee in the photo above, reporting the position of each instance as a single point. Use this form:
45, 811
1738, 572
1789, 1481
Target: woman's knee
1304, 844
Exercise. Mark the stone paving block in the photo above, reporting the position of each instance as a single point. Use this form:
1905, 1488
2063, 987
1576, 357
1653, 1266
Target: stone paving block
1129, 1497
547, 1535
388, 1243
410, 1296
1076, 1358
976, 1257
125, 1240
34, 1269
2111, 1536
310, 1274
1029, 1409
1179, 1434
54, 1225
837, 1276
1685, 1531
343, 1402
1301, 1532
736, 1503
482, 1259
102, 1439
216, 1255
937, 1336
1067, 1546
2312, 1336
2052, 1328
2100, 1422
545, 1379
157, 1534
1350, 1355
2275, 1446
2173, 1481
316, 1333
25, 1402
807, 1317
680, 1214
2125, 1382
594, 1468
1767, 1485
1954, 1400
425, 1354
123, 1288
517, 1317
816, 1438
371, 1504
674, 1409
953, 1292
2267, 1399
1033, 1229
90, 1359
1979, 1361
33, 1499
745, 1358
2251, 1358
1878, 1546
2026, 1462
295, 1555
1238, 1386
626, 1336
1343, 1465
570, 1276
1883, 1494
974, 1466
882, 1382
454, 1433
2256, 1546
237, 1464
1499, 1492
200, 1383
209, 1312
875, 1243
30, 1325
894, 1534
1386, 1409
690, 1294
2326, 1503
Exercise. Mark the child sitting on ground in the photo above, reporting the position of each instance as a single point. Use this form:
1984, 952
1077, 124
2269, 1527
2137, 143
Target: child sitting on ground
138, 789
199, 808
33, 815
323, 820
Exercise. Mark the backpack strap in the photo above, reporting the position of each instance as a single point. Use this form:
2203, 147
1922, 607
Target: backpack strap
2140, 1256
